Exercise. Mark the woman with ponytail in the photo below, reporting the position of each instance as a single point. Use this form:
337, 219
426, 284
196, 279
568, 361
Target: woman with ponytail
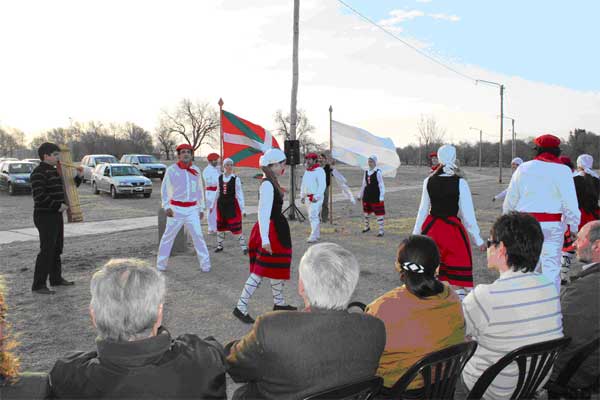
270, 244
422, 316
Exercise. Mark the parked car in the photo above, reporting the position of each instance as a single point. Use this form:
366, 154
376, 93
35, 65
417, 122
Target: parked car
14, 176
91, 161
148, 164
35, 161
120, 179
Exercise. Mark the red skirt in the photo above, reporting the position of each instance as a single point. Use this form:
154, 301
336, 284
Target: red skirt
234, 224
587, 217
275, 265
376, 208
456, 260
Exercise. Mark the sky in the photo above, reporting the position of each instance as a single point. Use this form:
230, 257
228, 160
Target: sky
118, 61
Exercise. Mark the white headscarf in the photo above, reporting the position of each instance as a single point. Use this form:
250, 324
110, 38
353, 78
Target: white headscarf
271, 156
517, 160
228, 161
374, 158
447, 157
585, 161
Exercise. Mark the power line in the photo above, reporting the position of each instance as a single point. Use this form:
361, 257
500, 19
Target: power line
404, 41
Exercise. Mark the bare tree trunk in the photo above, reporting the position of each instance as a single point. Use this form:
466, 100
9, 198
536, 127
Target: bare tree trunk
293, 113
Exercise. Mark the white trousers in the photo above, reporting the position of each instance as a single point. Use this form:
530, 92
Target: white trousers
190, 218
549, 264
314, 216
211, 216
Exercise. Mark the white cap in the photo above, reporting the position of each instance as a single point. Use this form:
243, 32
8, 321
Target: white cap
271, 156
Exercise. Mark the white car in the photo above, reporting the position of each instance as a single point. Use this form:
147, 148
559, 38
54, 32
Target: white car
146, 163
120, 179
90, 162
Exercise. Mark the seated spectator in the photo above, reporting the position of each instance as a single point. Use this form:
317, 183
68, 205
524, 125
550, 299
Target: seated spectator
291, 354
136, 357
422, 316
520, 308
580, 302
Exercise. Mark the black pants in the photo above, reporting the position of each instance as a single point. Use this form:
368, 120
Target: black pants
325, 208
50, 225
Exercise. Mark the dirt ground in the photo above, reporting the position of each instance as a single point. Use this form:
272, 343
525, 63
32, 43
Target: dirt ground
201, 303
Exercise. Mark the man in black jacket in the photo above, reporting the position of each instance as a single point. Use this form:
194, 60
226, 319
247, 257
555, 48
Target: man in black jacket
49, 204
292, 354
136, 358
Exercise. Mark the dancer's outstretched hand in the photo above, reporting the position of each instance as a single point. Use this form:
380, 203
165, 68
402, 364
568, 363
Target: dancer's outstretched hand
267, 248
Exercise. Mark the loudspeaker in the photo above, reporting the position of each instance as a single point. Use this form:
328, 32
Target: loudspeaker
292, 152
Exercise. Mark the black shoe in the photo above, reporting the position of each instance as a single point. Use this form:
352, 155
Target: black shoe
284, 308
245, 251
63, 282
219, 249
245, 318
43, 290
366, 230
380, 234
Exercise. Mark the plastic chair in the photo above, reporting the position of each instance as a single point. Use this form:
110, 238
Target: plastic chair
560, 387
440, 371
534, 362
365, 389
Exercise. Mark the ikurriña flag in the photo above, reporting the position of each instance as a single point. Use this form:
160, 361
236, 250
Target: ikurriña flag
243, 141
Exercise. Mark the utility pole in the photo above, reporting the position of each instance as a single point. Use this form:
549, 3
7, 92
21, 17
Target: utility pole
293, 110
419, 162
514, 138
500, 152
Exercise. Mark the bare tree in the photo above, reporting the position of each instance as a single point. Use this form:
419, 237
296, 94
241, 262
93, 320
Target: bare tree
303, 131
165, 140
197, 123
430, 134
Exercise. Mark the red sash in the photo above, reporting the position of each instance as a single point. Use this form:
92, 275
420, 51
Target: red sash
211, 188
183, 203
546, 217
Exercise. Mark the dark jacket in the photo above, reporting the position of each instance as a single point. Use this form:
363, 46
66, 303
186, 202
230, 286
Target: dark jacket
47, 188
154, 368
580, 303
289, 354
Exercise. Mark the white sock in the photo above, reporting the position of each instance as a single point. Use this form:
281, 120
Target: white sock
277, 289
251, 285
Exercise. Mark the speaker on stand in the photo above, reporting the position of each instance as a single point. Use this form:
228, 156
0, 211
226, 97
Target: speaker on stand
292, 157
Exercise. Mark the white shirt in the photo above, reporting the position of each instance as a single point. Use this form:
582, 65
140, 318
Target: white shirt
239, 193
180, 185
379, 182
265, 205
466, 211
313, 182
211, 175
544, 187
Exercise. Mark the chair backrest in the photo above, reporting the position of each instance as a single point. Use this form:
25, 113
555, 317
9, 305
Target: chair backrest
365, 389
440, 371
534, 362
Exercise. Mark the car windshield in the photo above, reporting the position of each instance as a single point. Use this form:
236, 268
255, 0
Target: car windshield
24, 168
124, 170
100, 160
147, 159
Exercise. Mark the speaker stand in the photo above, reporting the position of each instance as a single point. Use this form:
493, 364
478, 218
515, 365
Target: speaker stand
294, 213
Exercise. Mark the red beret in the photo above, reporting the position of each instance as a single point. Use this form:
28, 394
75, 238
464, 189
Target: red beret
212, 157
547, 141
313, 156
432, 154
184, 146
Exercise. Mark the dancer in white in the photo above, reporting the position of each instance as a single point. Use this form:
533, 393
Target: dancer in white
372, 194
514, 164
313, 188
230, 207
544, 188
211, 181
183, 202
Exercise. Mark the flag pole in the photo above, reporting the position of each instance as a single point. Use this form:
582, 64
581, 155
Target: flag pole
221, 128
330, 161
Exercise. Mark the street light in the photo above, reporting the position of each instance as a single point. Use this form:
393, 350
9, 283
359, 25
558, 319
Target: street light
501, 86
480, 143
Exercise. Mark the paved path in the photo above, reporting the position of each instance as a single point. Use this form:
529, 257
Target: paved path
127, 224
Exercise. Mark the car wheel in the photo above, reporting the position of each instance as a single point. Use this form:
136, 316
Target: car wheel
113, 192
147, 195
95, 188
11, 189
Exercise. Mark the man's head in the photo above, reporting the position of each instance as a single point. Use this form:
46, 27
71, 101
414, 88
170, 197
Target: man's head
328, 275
311, 159
324, 158
515, 241
49, 153
213, 159
587, 243
547, 144
185, 152
127, 300
433, 158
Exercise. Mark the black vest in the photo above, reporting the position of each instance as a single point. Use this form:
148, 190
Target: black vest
371, 194
226, 199
443, 192
588, 192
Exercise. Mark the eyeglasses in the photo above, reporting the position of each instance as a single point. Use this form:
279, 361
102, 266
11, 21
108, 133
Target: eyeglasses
491, 242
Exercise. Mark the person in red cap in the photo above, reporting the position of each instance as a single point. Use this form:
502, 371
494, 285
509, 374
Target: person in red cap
183, 202
211, 182
544, 188
312, 189
433, 160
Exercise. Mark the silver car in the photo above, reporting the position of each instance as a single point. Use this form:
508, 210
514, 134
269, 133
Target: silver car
120, 179
90, 162
148, 164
